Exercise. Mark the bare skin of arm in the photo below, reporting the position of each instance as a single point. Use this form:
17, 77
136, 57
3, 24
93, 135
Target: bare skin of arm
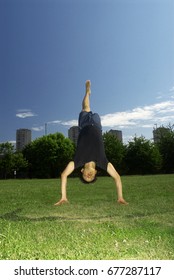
113, 173
68, 170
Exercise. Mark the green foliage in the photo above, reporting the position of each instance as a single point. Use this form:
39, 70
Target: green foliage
142, 157
115, 150
166, 148
19, 164
10, 161
6, 152
48, 155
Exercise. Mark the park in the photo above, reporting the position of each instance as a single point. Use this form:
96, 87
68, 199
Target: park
92, 226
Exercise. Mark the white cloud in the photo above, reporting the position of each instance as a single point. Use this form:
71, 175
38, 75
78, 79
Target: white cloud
127, 118
147, 125
70, 123
66, 123
145, 117
12, 142
25, 113
54, 122
38, 128
171, 89
141, 116
166, 95
160, 95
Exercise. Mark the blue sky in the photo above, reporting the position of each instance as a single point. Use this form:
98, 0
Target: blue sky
49, 48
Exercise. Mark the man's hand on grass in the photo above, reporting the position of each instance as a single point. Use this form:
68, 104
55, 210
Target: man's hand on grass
122, 201
60, 202
65, 201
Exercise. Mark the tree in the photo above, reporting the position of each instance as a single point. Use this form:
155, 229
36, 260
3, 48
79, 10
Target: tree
166, 148
48, 155
6, 152
142, 157
114, 150
19, 164
10, 161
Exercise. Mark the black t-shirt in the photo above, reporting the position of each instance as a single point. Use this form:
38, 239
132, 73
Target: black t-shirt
90, 147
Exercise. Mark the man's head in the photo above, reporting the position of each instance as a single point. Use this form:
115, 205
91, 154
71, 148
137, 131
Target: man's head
88, 173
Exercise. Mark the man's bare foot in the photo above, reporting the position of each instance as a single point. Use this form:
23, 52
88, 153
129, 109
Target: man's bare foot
122, 201
60, 202
88, 87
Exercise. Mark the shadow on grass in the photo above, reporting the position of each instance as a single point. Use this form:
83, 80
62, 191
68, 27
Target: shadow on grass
15, 216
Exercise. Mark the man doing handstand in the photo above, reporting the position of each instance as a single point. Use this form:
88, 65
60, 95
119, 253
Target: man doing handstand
90, 151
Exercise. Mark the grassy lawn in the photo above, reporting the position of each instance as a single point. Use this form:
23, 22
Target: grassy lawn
93, 226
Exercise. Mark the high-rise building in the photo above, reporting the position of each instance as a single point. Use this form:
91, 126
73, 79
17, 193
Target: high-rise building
73, 133
23, 137
117, 134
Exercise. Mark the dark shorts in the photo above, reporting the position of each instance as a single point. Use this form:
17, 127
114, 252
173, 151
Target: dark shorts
89, 118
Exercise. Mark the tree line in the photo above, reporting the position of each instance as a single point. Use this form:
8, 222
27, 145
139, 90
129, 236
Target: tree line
47, 156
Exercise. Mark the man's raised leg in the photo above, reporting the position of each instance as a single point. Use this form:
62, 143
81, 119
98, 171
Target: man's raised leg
86, 101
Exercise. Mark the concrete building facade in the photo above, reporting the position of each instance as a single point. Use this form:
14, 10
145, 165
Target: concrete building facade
73, 134
117, 134
23, 137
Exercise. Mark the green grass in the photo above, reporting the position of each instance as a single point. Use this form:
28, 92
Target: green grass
93, 226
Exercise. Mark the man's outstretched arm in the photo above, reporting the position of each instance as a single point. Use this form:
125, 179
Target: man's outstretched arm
68, 170
113, 173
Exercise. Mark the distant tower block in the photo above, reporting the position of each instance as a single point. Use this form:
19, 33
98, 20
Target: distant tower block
73, 133
117, 134
23, 137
